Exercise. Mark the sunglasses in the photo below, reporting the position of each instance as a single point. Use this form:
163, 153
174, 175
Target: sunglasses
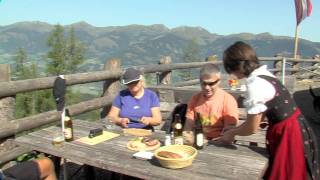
203, 83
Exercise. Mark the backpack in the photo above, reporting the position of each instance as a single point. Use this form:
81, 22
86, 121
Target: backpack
180, 109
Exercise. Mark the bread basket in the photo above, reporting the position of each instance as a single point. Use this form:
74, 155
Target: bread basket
188, 153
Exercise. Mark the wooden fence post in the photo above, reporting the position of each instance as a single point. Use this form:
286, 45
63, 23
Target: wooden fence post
111, 87
296, 65
277, 65
165, 79
6, 103
316, 64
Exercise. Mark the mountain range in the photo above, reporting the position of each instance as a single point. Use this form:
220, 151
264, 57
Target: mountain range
139, 44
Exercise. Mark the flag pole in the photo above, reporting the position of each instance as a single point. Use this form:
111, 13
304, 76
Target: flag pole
296, 39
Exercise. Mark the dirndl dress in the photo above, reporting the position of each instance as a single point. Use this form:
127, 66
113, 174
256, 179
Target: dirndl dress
291, 143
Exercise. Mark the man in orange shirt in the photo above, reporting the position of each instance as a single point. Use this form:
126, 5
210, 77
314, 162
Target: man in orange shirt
218, 109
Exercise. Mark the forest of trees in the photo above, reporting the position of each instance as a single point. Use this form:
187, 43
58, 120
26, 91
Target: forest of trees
66, 53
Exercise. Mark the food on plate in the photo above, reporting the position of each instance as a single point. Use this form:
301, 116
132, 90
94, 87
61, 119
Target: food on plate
143, 144
168, 154
149, 141
137, 132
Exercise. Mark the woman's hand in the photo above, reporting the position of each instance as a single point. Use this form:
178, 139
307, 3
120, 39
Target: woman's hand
123, 122
113, 115
146, 120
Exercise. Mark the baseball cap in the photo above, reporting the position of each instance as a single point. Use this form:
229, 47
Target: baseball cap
131, 75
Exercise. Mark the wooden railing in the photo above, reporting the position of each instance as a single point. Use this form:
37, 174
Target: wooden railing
11, 88
110, 75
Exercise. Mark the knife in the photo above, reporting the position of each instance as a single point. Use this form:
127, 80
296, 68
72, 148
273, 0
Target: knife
135, 120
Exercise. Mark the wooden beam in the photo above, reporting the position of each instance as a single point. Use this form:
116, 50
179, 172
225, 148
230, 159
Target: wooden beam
12, 154
31, 122
187, 83
14, 87
7, 103
287, 59
110, 87
5, 72
170, 67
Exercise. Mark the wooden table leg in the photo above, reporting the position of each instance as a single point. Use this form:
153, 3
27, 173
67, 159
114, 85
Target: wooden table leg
57, 162
65, 172
89, 172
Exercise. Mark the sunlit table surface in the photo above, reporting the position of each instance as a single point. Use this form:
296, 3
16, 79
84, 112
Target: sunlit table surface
213, 162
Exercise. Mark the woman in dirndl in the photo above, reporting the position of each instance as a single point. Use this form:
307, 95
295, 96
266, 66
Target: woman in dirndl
291, 143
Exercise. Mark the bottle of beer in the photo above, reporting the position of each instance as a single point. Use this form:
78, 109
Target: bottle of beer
177, 130
198, 133
68, 128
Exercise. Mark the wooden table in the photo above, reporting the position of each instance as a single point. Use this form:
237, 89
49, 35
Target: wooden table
213, 162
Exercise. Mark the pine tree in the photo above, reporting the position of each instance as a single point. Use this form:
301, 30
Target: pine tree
24, 101
20, 58
57, 53
65, 54
64, 57
75, 52
44, 101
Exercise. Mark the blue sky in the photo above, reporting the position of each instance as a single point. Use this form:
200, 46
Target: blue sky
217, 16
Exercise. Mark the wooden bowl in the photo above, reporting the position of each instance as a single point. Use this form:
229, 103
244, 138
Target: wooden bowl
187, 153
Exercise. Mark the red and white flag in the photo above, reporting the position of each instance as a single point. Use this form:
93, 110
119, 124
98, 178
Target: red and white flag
303, 9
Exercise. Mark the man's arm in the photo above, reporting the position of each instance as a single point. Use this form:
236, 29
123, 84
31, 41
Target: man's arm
231, 113
188, 134
189, 125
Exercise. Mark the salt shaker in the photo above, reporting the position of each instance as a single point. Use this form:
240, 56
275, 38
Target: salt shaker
167, 140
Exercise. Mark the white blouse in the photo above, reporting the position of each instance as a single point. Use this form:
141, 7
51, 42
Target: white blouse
259, 91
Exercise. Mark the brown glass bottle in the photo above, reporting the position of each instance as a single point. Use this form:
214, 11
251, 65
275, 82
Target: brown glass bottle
198, 133
68, 127
177, 130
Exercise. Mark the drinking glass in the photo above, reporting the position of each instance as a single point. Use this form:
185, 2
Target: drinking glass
188, 137
108, 124
57, 139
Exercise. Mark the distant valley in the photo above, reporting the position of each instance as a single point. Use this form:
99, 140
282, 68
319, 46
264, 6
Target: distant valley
137, 44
